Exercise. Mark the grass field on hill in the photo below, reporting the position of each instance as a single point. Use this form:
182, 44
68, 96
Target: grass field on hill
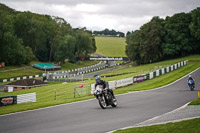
110, 46
65, 92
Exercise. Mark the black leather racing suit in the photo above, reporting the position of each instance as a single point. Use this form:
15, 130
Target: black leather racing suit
105, 85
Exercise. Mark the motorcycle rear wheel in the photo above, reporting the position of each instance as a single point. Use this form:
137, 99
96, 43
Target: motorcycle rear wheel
114, 102
192, 88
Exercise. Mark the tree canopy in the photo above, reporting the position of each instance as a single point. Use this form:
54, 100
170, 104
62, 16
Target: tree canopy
160, 39
108, 32
26, 36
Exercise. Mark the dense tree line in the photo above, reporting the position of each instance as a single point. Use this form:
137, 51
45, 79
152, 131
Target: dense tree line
26, 36
175, 36
108, 32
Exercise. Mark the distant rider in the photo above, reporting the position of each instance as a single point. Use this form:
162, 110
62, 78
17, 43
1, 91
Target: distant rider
103, 83
190, 78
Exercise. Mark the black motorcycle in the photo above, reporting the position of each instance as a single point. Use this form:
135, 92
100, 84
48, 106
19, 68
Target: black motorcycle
105, 97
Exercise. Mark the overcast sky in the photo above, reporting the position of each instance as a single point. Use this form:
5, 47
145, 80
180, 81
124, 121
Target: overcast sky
120, 15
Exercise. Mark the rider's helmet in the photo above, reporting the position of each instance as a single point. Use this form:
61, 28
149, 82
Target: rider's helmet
98, 79
190, 76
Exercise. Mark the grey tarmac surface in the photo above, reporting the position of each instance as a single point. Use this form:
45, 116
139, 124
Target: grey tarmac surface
186, 112
87, 117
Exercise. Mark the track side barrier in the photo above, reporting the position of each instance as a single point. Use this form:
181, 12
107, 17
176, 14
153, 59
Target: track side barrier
140, 78
24, 98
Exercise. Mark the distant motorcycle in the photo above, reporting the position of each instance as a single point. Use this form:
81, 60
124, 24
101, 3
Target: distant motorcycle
105, 97
191, 85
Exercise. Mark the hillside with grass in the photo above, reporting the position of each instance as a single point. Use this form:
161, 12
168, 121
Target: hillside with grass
110, 46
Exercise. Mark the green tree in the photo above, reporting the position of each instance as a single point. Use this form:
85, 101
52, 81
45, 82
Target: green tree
31, 29
85, 43
41, 36
152, 37
132, 48
109, 33
58, 29
11, 49
195, 29
144, 46
65, 49
178, 41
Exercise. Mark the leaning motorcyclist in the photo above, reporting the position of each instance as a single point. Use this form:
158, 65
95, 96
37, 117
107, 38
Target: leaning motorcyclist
190, 78
104, 84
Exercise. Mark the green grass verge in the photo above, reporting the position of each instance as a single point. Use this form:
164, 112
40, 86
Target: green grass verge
188, 126
19, 73
111, 46
195, 102
65, 92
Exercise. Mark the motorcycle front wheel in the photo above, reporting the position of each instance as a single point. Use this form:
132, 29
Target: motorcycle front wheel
102, 102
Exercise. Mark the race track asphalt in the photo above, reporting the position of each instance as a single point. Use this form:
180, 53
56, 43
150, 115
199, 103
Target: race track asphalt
88, 117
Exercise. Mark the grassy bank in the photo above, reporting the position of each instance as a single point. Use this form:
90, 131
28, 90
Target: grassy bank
65, 93
20, 73
195, 102
189, 126
111, 46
